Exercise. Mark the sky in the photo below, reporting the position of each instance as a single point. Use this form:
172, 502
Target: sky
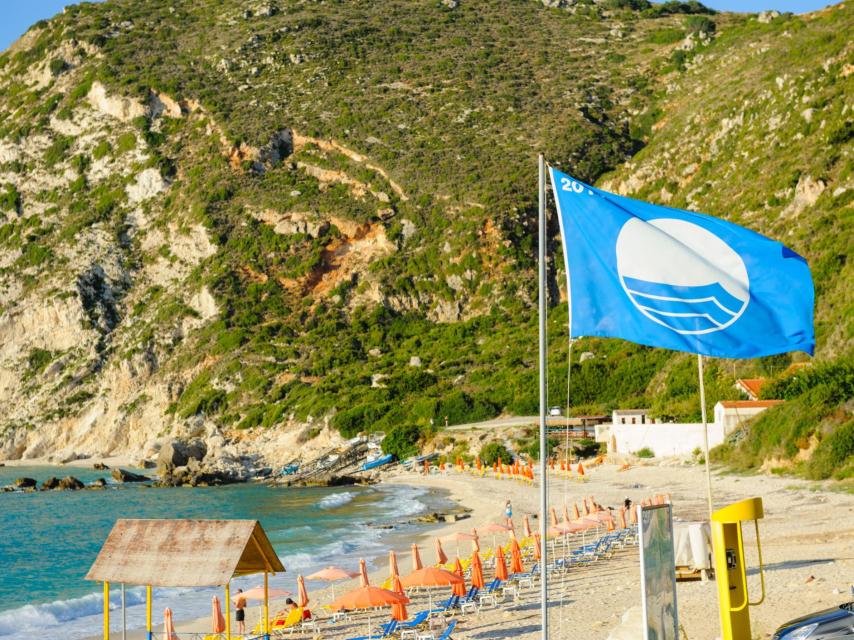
18, 15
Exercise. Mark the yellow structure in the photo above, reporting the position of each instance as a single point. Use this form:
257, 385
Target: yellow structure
730, 566
184, 553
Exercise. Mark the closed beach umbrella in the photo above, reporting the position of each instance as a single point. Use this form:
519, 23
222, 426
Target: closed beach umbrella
393, 571
593, 506
500, 565
477, 571
576, 514
580, 469
475, 542
217, 619
332, 575
398, 609
168, 625
441, 558
526, 526
623, 518
538, 552
459, 589
565, 514
553, 515
363, 573
416, 558
516, 557
302, 594
586, 507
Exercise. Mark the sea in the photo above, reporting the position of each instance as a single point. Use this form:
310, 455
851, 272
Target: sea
48, 541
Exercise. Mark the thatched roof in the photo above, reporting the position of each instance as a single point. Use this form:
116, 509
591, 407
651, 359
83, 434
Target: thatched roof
183, 553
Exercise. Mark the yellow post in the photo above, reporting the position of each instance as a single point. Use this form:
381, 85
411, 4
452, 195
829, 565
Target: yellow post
106, 610
730, 566
227, 611
266, 607
148, 611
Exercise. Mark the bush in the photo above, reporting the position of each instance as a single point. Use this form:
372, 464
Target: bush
490, 453
57, 66
125, 143
404, 441
700, 24
834, 456
10, 199
646, 452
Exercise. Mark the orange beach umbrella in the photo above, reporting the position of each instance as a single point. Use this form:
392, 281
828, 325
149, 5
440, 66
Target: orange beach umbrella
456, 537
217, 619
367, 597
526, 526
431, 577
441, 558
168, 625
516, 557
392, 565
302, 594
477, 571
576, 514
332, 575
363, 573
416, 558
538, 550
398, 610
475, 542
459, 589
500, 565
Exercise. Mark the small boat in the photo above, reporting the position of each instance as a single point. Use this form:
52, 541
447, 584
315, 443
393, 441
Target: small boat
378, 462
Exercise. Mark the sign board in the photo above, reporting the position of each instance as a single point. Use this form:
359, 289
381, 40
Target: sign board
658, 573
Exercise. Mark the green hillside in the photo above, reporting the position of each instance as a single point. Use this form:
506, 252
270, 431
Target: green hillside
275, 213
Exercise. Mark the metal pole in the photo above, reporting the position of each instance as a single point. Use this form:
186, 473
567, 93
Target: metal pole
544, 462
148, 611
106, 610
124, 615
266, 608
228, 610
705, 435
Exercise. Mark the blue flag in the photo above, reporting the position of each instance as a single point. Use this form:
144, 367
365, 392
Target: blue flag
687, 281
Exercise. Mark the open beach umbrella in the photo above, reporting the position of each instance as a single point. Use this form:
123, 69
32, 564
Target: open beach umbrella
459, 589
398, 609
500, 565
477, 571
431, 577
526, 526
441, 558
516, 557
257, 593
367, 597
416, 558
332, 575
168, 625
456, 537
217, 619
493, 528
302, 594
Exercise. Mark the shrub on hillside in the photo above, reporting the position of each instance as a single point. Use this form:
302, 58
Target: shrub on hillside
490, 453
405, 440
645, 452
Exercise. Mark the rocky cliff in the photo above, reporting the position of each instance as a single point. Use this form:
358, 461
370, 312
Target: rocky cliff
264, 223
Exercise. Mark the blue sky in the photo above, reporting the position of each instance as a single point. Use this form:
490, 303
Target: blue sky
18, 15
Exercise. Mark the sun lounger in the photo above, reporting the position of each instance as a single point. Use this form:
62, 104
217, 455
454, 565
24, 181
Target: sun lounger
449, 604
408, 629
386, 629
446, 634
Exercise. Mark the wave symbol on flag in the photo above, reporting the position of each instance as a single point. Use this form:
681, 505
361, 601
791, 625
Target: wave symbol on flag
681, 275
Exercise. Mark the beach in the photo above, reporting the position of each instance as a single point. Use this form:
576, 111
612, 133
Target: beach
807, 541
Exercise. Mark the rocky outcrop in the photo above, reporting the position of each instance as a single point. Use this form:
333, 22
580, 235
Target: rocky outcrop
118, 107
70, 483
25, 483
177, 453
121, 475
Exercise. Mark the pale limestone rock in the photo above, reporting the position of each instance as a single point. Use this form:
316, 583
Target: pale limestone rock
147, 185
807, 192
123, 109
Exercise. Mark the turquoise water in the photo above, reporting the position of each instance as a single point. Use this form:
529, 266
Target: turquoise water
50, 539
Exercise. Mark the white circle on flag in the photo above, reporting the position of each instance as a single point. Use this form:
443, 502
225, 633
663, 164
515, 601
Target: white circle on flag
681, 275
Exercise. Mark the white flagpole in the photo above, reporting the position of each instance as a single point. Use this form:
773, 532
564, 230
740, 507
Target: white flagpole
705, 434
544, 463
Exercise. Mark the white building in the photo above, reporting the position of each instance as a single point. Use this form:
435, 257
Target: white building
633, 430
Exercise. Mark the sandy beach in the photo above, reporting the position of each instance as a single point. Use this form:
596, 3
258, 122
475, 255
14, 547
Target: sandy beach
807, 539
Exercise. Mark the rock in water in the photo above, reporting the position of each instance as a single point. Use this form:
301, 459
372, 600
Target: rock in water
70, 483
50, 484
120, 475
100, 466
176, 453
25, 483
99, 483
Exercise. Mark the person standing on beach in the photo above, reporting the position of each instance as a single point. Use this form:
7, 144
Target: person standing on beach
239, 613
508, 512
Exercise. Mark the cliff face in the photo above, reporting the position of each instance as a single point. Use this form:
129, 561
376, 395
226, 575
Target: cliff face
257, 223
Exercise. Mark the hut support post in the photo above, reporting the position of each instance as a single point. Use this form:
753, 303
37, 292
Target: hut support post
106, 610
148, 611
227, 611
124, 615
266, 608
